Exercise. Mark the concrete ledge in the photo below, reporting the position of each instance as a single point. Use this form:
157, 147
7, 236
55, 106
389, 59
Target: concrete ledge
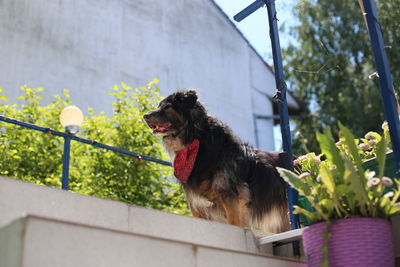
48, 243
284, 237
18, 199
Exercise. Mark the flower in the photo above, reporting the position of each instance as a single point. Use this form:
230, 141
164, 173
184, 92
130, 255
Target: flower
364, 146
301, 158
385, 125
372, 142
373, 182
386, 181
304, 175
369, 175
316, 159
369, 135
389, 194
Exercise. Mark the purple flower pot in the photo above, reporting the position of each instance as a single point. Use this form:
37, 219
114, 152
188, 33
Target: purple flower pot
356, 242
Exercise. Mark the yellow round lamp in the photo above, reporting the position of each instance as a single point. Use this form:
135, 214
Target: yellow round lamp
71, 118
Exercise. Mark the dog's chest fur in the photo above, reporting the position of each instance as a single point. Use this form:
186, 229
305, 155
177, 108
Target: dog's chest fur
173, 145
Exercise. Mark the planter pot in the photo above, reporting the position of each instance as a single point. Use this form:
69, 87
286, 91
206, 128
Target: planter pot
353, 242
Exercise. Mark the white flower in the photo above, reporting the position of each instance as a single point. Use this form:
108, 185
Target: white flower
388, 195
370, 174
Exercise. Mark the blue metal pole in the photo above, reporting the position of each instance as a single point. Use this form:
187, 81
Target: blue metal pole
385, 79
65, 170
282, 103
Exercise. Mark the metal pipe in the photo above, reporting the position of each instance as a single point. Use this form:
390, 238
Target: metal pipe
65, 170
277, 117
83, 140
385, 79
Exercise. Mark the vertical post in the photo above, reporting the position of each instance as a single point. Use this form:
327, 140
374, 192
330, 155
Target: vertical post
282, 103
65, 170
385, 78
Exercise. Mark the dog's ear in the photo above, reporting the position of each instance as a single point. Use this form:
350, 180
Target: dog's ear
187, 99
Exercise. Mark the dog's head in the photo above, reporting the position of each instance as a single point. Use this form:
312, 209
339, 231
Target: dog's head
175, 114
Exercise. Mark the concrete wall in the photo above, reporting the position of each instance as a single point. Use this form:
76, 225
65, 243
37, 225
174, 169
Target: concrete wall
87, 46
60, 228
37, 241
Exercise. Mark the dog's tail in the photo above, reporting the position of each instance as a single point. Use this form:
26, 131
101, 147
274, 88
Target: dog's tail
268, 201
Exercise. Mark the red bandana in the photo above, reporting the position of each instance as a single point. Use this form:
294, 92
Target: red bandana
184, 161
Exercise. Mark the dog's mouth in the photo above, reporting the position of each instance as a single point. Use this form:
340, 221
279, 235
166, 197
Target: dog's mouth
160, 128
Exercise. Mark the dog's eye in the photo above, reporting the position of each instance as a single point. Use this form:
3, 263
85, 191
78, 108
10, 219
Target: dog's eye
167, 106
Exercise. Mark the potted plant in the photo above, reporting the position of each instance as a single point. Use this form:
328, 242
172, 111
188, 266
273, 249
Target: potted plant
350, 205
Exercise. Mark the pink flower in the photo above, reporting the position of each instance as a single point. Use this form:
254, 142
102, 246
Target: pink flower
304, 175
316, 159
385, 125
372, 142
301, 158
386, 181
364, 146
369, 135
373, 182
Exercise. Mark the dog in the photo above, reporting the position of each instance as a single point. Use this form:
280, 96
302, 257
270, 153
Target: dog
224, 179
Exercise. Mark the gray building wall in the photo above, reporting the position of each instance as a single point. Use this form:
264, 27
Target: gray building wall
87, 46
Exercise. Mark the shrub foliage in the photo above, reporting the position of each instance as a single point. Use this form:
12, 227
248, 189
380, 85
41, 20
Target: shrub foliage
37, 157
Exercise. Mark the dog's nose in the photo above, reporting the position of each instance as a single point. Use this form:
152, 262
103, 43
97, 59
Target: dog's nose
146, 116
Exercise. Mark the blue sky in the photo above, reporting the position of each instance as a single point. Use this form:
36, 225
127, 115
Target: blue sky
255, 27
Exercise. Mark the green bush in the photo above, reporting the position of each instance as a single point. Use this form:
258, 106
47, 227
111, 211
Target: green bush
37, 157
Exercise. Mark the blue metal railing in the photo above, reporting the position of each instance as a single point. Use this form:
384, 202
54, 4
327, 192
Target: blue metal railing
280, 97
385, 79
67, 143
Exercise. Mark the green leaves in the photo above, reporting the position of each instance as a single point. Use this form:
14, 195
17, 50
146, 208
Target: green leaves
294, 181
329, 149
339, 187
328, 179
37, 157
381, 155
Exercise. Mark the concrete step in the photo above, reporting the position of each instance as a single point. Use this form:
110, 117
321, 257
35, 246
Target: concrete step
105, 230
38, 241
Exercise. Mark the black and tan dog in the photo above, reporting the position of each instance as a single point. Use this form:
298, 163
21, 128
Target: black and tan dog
224, 179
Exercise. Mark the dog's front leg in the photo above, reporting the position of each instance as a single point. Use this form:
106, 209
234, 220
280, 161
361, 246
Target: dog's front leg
235, 210
197, 214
